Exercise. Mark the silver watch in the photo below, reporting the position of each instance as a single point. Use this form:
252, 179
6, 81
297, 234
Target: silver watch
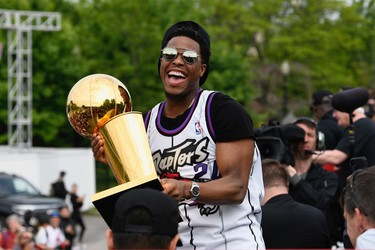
194, 191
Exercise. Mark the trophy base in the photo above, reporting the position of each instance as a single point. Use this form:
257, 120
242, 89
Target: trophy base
105, 201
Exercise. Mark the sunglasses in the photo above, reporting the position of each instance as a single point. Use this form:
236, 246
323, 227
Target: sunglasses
189, 56
355, 198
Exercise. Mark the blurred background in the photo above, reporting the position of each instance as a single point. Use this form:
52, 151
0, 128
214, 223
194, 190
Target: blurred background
270, 55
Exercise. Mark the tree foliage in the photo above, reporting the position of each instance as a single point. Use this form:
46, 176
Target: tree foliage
329, 44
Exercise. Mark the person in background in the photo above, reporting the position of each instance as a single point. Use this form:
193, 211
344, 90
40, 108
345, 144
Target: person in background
51, 236
67, 225
58, 188
41, 232
144, 218
358, 204
285, 222
24, 241
77, 203
203, 148
8, 235
370, 112
327, 124
363, 146
313, 185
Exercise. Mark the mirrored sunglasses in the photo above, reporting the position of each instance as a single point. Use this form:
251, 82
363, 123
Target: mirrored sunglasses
189, 56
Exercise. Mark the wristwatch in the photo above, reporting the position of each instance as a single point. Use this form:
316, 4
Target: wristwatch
194, 191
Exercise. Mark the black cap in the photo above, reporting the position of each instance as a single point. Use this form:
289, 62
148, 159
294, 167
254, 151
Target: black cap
164, 210
196, 32
319, 96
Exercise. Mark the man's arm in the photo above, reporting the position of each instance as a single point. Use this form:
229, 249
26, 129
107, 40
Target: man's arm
234, 160
334, 157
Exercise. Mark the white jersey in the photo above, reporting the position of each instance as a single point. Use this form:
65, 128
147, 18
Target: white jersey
189, 152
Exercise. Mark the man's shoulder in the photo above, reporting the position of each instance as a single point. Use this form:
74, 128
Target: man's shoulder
365, 122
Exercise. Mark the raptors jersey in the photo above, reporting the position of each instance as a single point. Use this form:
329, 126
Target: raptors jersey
188, 152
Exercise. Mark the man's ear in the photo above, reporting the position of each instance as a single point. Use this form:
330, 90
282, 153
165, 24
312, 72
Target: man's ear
109, 237
358, 213
203, 69
173, 243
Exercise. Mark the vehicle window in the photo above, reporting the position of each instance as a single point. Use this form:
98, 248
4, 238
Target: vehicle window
23, 187
6, 186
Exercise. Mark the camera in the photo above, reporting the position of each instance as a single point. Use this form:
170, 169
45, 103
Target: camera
274, 141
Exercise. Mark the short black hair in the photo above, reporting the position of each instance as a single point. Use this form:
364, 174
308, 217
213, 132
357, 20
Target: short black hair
196, 32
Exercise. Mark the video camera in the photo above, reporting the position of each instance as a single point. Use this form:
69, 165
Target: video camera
274, 141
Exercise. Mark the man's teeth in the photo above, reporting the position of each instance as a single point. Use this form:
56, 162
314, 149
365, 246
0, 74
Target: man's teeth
175, 73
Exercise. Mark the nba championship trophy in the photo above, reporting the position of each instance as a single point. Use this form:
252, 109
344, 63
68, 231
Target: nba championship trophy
102, 104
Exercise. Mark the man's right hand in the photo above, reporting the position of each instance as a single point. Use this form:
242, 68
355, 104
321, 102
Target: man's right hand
97, 145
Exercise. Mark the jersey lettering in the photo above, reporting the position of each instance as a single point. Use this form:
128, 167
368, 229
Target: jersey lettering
186, 153
201, 170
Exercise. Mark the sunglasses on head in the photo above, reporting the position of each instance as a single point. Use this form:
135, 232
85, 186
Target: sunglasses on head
189, 56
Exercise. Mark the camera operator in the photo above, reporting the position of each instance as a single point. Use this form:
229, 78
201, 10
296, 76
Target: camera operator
310, 183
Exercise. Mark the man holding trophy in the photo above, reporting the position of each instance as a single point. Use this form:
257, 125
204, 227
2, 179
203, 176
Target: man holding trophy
203, 149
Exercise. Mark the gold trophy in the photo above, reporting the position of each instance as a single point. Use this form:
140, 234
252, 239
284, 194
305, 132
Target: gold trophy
100, 103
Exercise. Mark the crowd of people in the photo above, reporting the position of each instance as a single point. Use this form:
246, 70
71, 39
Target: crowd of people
228, 198
54, 230
319, 177
70, 216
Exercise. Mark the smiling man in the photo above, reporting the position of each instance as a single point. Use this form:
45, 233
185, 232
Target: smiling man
203, 147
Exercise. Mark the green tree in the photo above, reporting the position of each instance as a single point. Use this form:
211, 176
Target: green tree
328, 44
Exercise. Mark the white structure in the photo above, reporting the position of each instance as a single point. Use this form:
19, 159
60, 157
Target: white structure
41, 166
20, 25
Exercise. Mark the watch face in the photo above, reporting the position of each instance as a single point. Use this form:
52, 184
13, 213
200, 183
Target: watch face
195, 191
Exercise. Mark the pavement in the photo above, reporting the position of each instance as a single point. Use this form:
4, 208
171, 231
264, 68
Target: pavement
94, 237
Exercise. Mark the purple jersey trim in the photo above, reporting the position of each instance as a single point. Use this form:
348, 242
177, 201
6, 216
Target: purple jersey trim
183, 125
208, 116
147, 119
